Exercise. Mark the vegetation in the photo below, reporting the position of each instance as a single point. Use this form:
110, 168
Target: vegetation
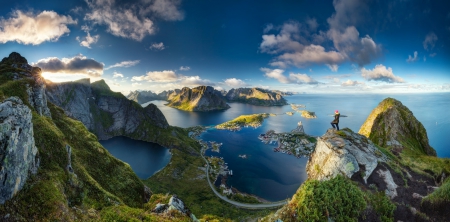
254, 120
339, 199
441, 195
382, 205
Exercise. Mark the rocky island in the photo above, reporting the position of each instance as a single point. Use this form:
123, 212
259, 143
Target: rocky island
254, 120
256, 96
202, 98
308, 114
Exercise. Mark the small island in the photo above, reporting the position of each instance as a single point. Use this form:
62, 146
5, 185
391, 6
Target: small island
308, 114
254, 120
290, 113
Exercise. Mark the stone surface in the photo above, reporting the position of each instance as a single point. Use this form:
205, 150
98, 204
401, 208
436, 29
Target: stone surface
102, 111
256, 96
392, 123
202, 98
18, 153
391, 186
142, 97
342, 152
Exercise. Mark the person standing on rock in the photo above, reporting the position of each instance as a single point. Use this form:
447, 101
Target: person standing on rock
335, 122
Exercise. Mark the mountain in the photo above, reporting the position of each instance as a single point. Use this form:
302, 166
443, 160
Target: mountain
351, 178
391, 124
201, 98
255, 96
142, 97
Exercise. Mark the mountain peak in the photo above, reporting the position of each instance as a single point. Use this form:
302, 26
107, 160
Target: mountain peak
391, 124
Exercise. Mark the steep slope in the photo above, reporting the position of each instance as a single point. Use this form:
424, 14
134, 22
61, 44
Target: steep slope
351, 178
256, 96
391, 124
202, 98
104, 112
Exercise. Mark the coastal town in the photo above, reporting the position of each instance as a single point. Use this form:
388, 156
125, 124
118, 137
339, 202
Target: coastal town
295, 143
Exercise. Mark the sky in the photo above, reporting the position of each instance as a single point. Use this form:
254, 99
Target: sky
340, 46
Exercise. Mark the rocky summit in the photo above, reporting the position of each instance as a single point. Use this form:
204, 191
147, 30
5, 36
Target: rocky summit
343, 152
202, 98
142, 97
256, 96
391, 124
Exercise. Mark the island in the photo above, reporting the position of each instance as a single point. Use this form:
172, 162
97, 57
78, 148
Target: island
201, 98
308, 114
254, 120
256, 96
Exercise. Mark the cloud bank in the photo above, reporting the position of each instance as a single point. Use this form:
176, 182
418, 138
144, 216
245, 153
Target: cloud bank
76, 65
235, 83
291, 79
124, 64
29, 28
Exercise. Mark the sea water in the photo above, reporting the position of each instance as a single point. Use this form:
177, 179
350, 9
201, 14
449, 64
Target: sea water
144, 158
276, 176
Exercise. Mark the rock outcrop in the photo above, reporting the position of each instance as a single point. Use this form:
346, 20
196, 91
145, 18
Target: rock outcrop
391, 124
202, 98
343, 152
103, 111
18, 153
175, 204
255, 96
36, 91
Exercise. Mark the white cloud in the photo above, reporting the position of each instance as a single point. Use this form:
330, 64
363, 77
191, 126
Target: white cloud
235, 83
157, 76
430, 41
351, 83
195, 81
380, 73
167, 9
124, 64
117, 75
293, 78
133, 21
88, 40
76, 65
413, 59
136, 84
185, 68
433, 55
301, 44
29, 28
268, 28
157, 46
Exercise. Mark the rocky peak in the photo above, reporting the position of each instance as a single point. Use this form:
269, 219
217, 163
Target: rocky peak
201, 98
16, 58
256, 96
343, 152
391, 124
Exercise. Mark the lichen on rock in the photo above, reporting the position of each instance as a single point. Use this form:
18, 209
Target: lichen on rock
18, 153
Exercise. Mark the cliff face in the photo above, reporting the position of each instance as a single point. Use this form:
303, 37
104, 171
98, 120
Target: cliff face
102, 111
255, 96
18, 152
202, 98
391, 124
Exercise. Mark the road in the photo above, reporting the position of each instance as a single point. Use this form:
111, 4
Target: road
238, 204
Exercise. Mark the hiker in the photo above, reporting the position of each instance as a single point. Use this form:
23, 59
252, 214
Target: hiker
335, 122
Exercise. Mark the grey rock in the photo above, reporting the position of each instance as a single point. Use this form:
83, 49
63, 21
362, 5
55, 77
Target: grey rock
18, 153
36, 94
335, 154
391, 186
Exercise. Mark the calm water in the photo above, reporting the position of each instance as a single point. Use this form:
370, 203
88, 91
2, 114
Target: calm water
276, 176
144, 158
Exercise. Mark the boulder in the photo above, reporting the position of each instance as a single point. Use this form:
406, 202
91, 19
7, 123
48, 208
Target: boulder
18, 153
343, 152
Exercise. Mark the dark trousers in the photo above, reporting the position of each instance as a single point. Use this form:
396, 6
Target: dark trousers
335, 124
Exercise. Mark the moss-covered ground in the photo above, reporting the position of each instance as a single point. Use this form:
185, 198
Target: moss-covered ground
253, 120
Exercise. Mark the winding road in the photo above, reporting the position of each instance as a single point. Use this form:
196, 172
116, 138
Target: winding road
238, 204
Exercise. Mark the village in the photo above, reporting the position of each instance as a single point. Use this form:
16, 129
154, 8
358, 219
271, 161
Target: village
295, 143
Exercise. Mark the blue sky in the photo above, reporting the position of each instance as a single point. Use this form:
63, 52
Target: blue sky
345, 46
